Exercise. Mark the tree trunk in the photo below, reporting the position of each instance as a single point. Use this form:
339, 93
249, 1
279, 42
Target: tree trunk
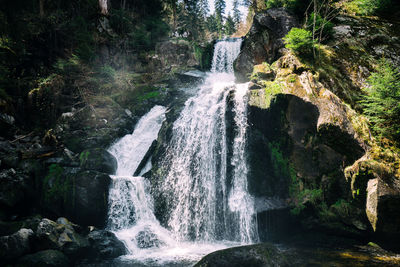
41, 8
103, 7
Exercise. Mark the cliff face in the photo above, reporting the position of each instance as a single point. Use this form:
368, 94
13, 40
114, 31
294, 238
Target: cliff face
307, 130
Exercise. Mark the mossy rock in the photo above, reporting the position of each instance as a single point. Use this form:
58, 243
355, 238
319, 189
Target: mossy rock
256, 256
98, 159
46, 258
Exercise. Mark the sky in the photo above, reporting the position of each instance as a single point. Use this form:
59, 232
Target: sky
229, 7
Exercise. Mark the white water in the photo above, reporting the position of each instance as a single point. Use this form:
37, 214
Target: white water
205, 189
206, 205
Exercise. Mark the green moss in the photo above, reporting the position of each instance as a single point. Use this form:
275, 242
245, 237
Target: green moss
55, 185
271, 89
149, 95
84, 156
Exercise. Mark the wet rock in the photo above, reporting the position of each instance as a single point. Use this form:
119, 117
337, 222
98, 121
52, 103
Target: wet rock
256, 256
147, 239
15, 189
264, 40
16, 245
87, 203
46, 258
105, 245
61, 236
98, 159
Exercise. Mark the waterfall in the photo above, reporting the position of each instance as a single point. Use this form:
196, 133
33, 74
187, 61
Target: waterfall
204, 205
203, 173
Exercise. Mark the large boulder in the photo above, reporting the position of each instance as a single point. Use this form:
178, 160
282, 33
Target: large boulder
62, 236
264, 40
15, 245
256, 256
87, 203
46, 258
105, 245
98, 159
15, 189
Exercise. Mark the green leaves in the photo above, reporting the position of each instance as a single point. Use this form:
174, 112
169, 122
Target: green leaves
382, 102
299, 41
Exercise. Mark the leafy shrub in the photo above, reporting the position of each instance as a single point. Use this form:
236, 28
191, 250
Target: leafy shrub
368, 7
299, 41
381, 104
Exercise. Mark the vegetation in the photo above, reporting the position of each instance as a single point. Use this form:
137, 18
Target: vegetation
300, 42
381, 103
369, 7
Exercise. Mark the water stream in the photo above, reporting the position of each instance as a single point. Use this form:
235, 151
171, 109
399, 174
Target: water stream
205, 177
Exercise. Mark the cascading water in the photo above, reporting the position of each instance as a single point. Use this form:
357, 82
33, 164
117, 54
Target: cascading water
204, 205
205, 187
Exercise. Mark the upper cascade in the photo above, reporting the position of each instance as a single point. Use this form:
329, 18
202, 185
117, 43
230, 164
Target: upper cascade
225, 53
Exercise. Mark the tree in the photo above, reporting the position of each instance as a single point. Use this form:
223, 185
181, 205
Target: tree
382, 102
229, 26
103, 6
237, 16
219, 14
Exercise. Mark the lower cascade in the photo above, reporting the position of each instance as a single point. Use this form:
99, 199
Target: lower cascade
204, 174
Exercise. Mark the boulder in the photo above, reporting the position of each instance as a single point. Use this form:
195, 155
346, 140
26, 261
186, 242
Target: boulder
87, 203
15, 245
105, 245
61, 236
98, 159
264, 40
147, 239
256, 256
383, 207
15, 190
46, 258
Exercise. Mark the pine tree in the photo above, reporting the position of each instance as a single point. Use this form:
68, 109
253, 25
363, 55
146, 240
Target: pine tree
381, 104
219, 14
236, 13
229, 26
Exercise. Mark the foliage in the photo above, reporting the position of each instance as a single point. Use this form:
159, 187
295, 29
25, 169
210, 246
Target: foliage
323, 27
229, 26
296, 6
381, 103
55, 184
300, 42
369, 7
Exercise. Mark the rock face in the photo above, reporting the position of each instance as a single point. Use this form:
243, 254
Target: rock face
88, 201
98, 159
256, 256
46, 258
264, 41
105, 245
62, 236
15, 245
171, 55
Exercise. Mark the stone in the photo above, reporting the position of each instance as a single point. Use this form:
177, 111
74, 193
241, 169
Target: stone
264, 40
46, 258
105, 245
383, 207
261, 255
16, 245
147, 239
15, 189
61, 236
87, 203
98, 159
